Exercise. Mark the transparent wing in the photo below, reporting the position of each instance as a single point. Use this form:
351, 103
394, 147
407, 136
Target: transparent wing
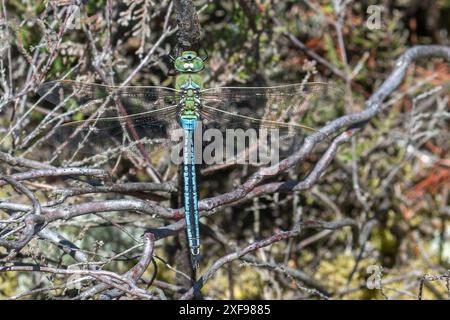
80, 92
93, 124
308, 104
288, 112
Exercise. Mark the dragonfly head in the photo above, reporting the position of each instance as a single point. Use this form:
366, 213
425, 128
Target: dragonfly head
190, 62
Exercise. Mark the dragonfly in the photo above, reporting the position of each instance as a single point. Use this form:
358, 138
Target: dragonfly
93, 123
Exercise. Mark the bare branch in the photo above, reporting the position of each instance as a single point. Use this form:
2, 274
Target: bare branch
188, 35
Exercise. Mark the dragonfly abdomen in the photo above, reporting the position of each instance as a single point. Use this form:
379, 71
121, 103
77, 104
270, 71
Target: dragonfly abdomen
190, 187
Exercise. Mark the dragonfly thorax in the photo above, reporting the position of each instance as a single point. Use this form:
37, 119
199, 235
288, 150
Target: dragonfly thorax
189, 86
190, 104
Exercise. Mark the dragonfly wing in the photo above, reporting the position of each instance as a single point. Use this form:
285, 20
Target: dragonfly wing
68, 91
288, 113
310, 104
94, 124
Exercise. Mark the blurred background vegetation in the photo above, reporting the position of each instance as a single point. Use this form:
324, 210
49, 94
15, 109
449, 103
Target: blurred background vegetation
402, 155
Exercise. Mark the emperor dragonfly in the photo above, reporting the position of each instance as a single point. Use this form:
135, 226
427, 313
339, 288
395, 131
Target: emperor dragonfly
141, 118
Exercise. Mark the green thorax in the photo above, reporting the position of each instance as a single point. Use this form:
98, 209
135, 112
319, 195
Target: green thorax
189, 82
